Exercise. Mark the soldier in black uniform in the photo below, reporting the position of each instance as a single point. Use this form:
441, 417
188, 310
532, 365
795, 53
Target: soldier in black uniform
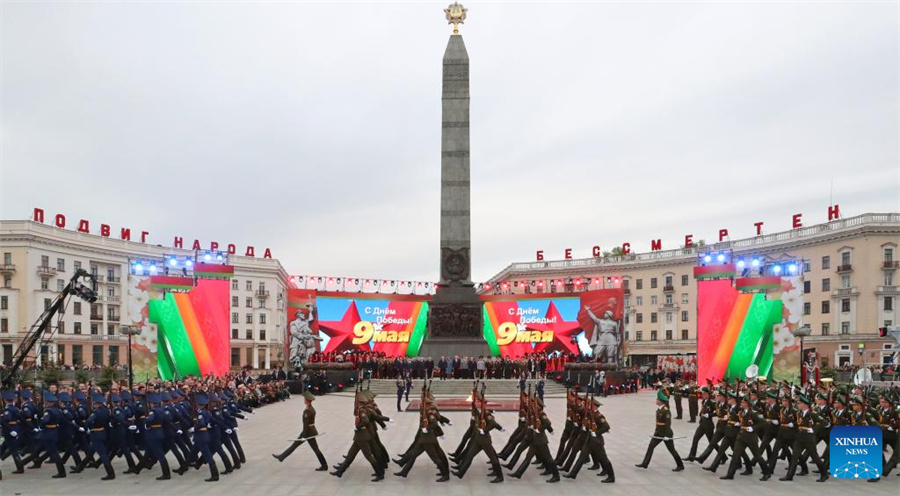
662, 433
307, 435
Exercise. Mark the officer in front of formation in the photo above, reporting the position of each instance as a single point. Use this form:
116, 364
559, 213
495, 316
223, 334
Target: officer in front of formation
308, 434
662, 433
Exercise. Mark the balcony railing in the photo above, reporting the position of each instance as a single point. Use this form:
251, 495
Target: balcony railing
845, 268
111, 299
95, 316
112, 318
111, 280
7, 268
668, 288
888, 289
262, 293
46, 270
890, 264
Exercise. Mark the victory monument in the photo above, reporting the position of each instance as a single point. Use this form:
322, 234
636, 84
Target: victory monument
455, 320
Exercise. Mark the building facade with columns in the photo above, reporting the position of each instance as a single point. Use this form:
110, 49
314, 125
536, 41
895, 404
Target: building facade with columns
39, 259
850, 273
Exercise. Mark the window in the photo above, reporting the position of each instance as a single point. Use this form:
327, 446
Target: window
235, 357
806, 266
888, 303
888, 254
110, 330
638, 336
234, 284
653, 317
76, 265
638, 300
888, 323
249, 318
248, 302
684, 334
684, 298
669, 281
4, 325
684, 280
685, 316
60, 285
627, 319
627, 301
262, 334
639, 318
668, 318
61, 328
845, 258
845, 282
654, 300
626, 336
61, 264
652, 283
45, 261
845, 327
95, 329
639, 285
826, 262
4, 302
113, 355
7, 281
262, 318
97, 354
234, 301
249, 285
670, 300
806, 286
652, 335
46, 303
807, 308
76, 328
76, 307
45, 283
826, 306
7, 258
889, 278
845, 305
77, 354
234, 334
249, 334
234, 317
826, 327
826, 284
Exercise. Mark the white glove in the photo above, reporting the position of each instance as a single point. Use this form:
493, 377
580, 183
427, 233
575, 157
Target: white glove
37, 430
809, 430
593, 434
228, 431
191, 430
774, 422
235, 429
390, 420
81, 429
481, 431
890, 428
179, 432
521, 419
14, 434
749, 429
424, 430
132, 427
791, 424
583, 428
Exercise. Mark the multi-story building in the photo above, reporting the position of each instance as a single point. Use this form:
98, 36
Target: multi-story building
38, 261
851, 287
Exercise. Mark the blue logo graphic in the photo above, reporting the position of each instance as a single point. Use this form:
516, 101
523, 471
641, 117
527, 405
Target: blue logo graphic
855, 452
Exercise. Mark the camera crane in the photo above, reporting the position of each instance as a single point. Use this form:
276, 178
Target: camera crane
84, 285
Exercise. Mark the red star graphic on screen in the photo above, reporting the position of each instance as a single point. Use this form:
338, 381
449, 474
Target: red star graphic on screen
563, 332
341, 332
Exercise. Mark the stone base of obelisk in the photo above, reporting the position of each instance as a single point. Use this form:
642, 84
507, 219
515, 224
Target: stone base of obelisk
454, 323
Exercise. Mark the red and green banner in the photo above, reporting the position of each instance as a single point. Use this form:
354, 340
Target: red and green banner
590, 323
747, 284
171, 283
213, 271
734, 330
193, 331
718, 271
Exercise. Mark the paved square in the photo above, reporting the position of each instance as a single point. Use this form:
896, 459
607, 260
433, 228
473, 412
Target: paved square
631, 418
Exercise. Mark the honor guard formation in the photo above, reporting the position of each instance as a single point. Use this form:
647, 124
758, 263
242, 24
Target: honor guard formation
195, 420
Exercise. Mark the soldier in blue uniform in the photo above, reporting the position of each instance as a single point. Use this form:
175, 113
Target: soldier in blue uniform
10, 428
47, 436
118, 432
97, 424
202, 437
154, 435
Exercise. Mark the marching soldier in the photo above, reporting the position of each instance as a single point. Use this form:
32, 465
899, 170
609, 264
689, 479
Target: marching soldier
662, 433
705, 428
308, 434
805, 444
747, 439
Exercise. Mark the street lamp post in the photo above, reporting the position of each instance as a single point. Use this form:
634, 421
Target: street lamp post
801, 332
129, 331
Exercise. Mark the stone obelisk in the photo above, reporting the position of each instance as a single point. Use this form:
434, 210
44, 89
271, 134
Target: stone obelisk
455, 317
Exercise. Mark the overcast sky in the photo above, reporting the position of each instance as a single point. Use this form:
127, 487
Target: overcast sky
314, 129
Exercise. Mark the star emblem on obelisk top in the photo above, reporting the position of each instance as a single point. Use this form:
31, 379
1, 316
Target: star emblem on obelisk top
456, 15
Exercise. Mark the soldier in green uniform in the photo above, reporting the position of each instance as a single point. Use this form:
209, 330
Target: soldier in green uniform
806, 422
770, 428
747, 438
662, 433
678, 390
721, 412
693, 394
308, 434
889, 421
732, 430
427, 442
705, 427
596, 426
362, 441
481, 441
539, 448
